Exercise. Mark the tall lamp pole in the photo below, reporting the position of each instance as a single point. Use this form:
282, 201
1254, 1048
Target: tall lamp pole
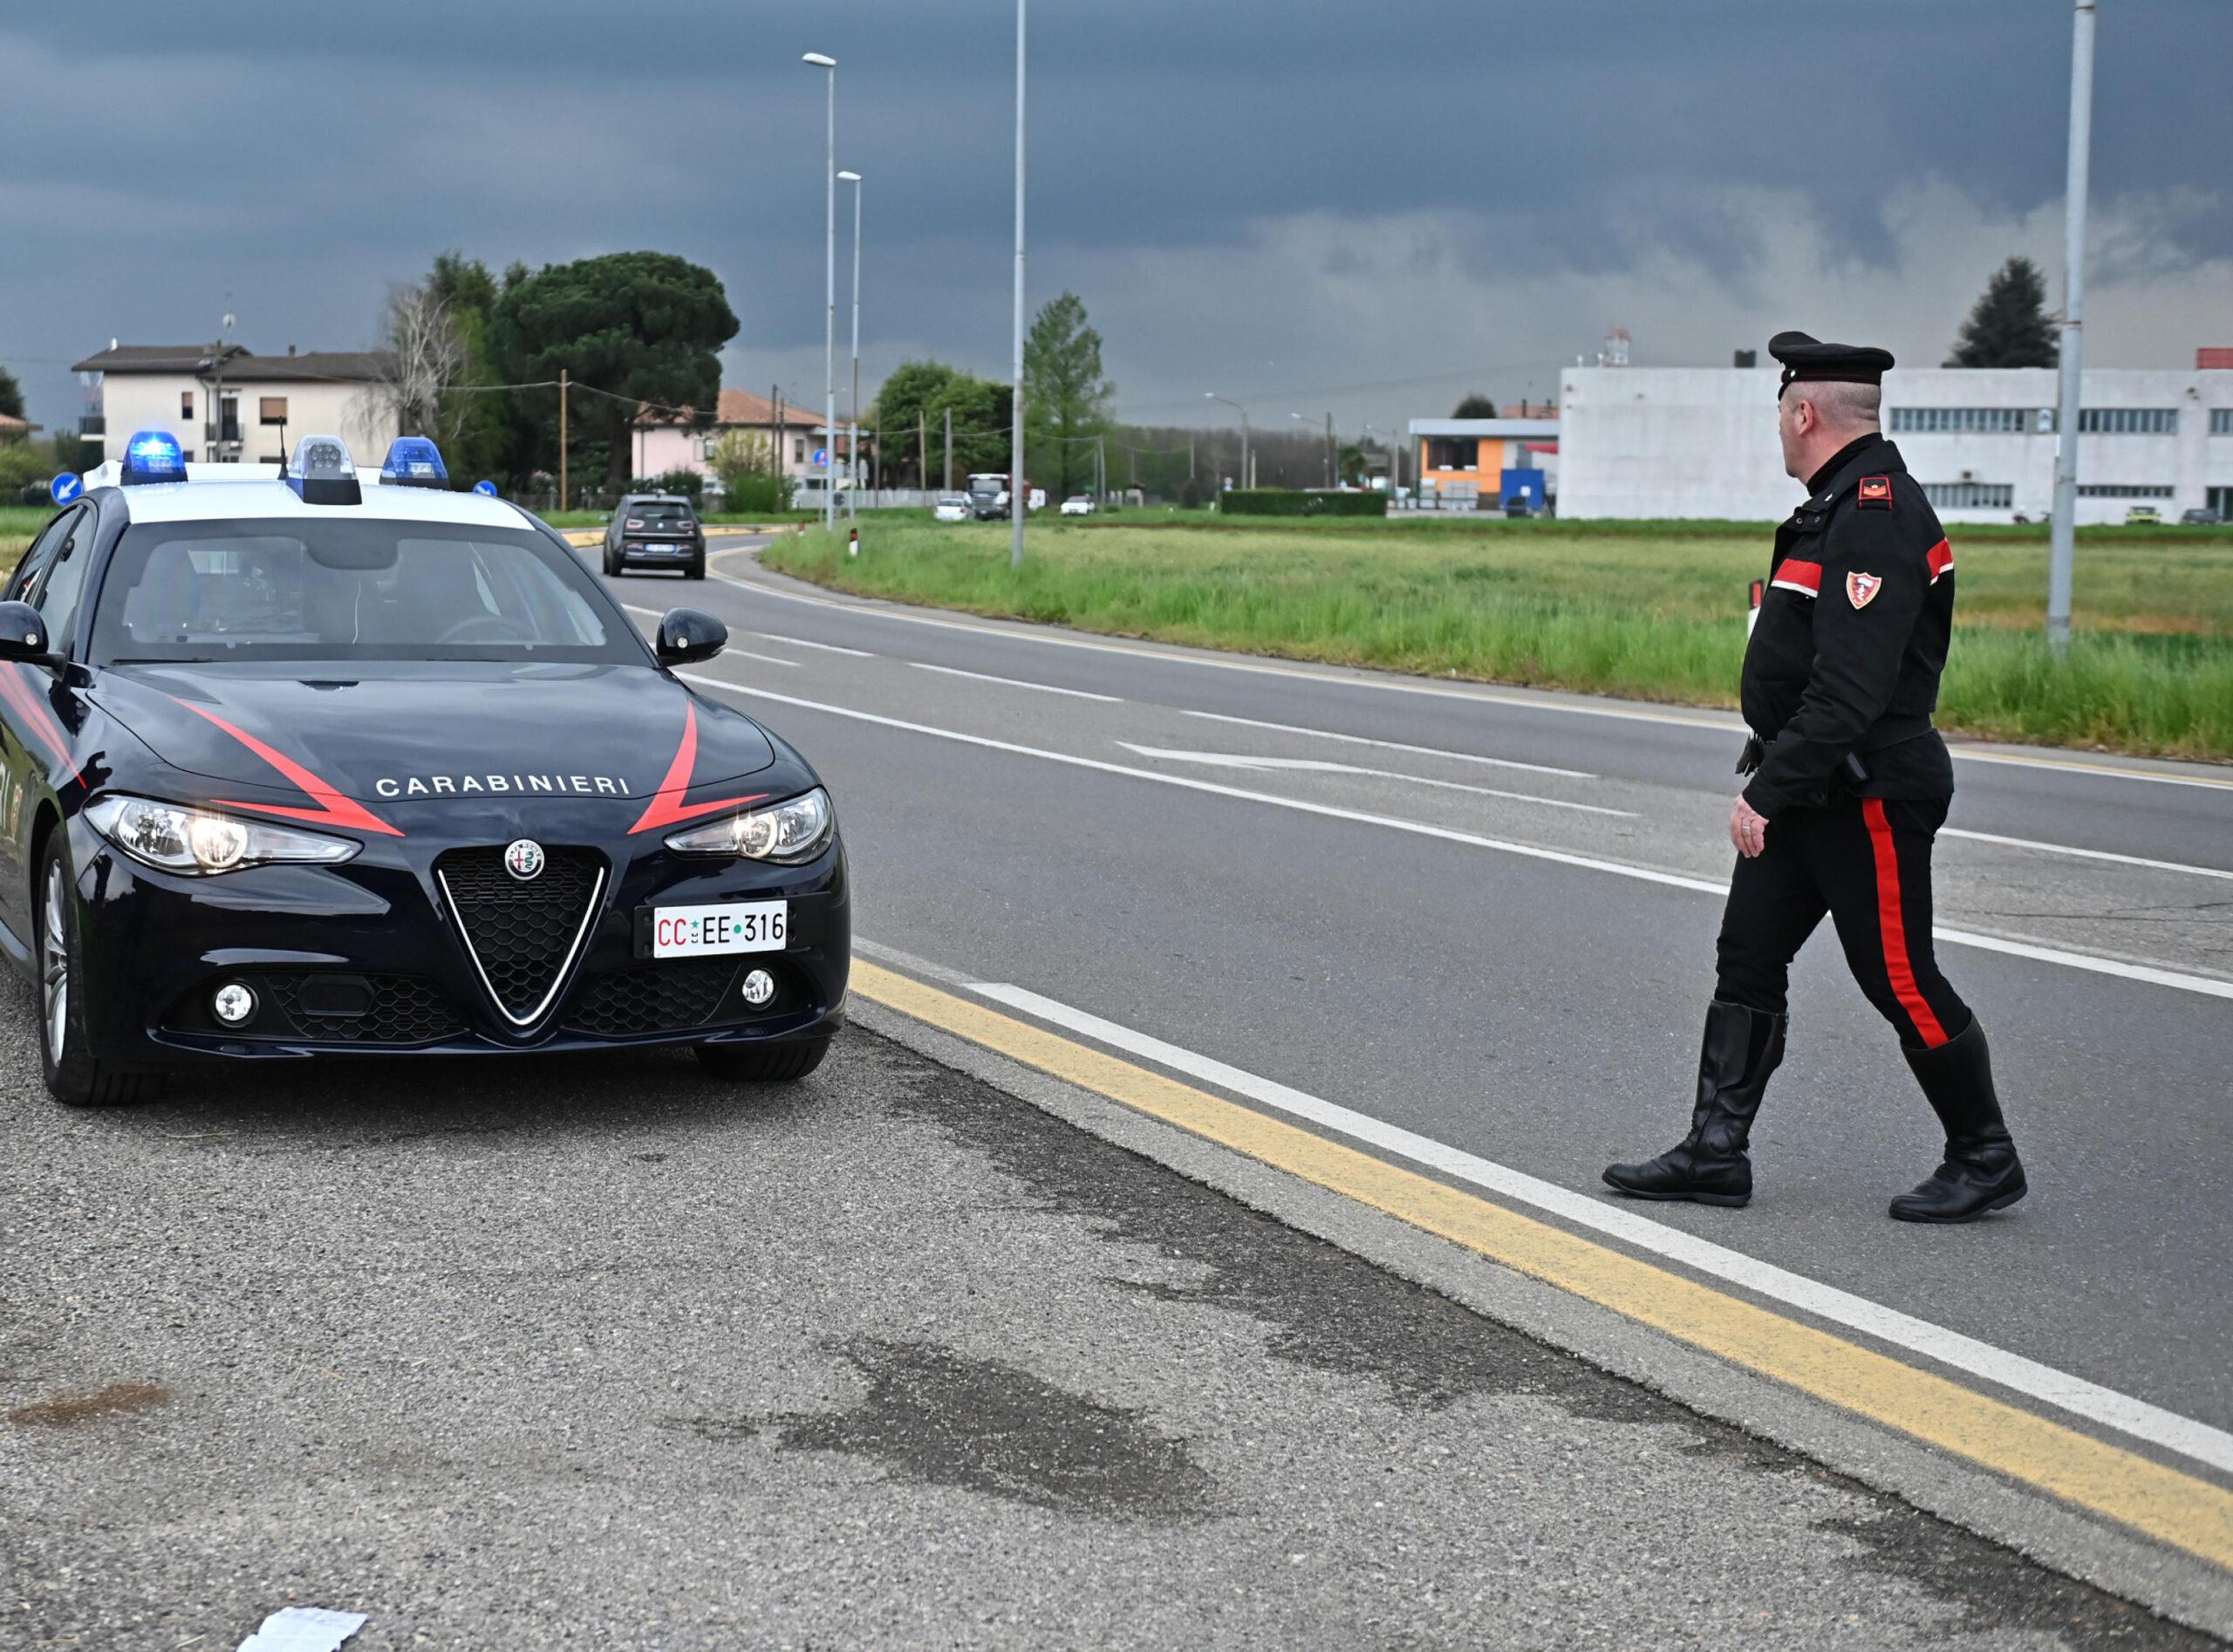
815, 59
2063, 538
1019, 487
853, 411
1211, 395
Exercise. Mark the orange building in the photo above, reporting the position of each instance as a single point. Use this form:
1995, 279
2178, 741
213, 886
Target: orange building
1469, 463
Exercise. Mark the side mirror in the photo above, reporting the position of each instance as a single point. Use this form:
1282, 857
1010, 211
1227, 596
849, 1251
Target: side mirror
686, 634
23, 633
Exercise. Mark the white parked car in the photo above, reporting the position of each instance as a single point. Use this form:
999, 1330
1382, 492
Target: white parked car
1078, 505
950, 508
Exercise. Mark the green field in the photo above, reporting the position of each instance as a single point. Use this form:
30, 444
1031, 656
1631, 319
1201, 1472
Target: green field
1650, 611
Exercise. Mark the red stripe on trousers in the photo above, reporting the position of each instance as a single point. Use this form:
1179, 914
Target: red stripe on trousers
1893, 927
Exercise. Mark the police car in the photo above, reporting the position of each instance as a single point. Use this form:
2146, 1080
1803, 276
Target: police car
302, 761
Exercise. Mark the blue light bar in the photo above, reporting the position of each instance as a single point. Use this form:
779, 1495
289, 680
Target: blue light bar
151, 456
414, 462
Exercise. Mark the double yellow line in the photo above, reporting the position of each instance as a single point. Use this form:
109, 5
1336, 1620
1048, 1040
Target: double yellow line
2177, 1509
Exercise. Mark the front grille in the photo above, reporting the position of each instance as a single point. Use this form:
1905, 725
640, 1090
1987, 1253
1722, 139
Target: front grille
397, 1009
524, 936
654, 997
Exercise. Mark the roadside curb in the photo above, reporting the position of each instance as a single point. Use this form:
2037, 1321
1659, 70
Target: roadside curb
2094, 1551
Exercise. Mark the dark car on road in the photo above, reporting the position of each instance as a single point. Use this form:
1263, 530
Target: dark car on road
655, 530
325, 766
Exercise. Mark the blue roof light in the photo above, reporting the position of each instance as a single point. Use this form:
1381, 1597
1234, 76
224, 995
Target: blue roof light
152, 455
414, 462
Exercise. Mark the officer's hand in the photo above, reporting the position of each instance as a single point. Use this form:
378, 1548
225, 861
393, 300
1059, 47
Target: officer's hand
1748, 829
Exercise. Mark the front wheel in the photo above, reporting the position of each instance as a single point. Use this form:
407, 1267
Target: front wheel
763, 1063
73, 1077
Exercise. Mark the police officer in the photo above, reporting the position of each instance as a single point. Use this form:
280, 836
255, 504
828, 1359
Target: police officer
1849, 785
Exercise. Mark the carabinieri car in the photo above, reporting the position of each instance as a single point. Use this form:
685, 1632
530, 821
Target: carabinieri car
325, 763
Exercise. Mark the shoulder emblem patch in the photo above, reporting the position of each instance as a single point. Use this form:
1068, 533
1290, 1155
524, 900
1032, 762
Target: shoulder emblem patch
1862, 589
1876, 492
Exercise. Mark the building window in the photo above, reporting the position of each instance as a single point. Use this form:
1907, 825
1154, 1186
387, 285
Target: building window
1453, 453
1970, 495
272, 410
798, 450
186, 404
2221, 503
2123, 490
1969, 421
2129, 421
2221, 421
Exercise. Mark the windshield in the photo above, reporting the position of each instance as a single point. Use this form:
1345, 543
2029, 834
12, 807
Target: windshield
350, 590
658, 513
953, 499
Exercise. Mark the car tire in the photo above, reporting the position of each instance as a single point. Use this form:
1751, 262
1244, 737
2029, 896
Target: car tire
73, 1076
697, 568
763, 1063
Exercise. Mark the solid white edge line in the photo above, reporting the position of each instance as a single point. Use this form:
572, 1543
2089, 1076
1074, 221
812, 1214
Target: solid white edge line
2084, 854
2209, 986
1386, 745
1014, 682
1306, 765
879, 609
2167, 1428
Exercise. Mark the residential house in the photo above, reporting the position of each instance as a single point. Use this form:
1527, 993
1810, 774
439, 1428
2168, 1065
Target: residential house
232, 404
666, 442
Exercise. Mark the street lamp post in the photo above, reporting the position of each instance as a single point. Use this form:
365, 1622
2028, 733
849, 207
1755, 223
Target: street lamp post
2063, 534
1018, 488
817, 61
1212, 395
853, 409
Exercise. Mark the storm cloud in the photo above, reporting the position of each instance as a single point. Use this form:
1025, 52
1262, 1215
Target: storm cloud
1306, 205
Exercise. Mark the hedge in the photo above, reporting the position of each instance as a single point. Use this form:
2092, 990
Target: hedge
1289, 501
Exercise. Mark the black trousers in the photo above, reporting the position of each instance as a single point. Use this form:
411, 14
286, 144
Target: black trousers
1867, 862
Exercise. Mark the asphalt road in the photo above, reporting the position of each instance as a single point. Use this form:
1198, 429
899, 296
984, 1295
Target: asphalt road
597, 1353
1542, 1015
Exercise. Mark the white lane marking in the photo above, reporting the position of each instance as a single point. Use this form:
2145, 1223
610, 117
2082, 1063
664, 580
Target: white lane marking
1388, 745
1322, 765
800, 642
2084, 854
2137, 1418
303, 1629
1482, 696
1014, 682
2206, 986
649, 613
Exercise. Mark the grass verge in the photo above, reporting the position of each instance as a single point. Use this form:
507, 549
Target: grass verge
1629, 611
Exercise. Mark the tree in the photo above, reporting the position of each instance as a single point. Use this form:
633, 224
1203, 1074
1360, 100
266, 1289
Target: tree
2010, 326
916, 399
1065, 399
421, 355
481, 437
739, 453
1476, 405
11, 395
630, 329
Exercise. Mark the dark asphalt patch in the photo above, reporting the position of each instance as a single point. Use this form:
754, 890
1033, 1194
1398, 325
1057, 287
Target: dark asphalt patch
1324, 1308
940, 1416
85, 1405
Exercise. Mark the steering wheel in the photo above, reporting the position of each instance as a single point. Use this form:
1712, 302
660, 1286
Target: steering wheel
489, 628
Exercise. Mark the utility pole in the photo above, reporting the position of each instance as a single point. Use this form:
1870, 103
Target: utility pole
829, 65
923, 447
783, 493
2063, 538
949, 449
563, 381
1331, 467
1019, 487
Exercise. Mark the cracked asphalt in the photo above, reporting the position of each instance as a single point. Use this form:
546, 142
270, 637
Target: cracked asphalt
599, 1353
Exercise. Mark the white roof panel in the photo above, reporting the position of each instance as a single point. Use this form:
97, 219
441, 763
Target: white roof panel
227, 499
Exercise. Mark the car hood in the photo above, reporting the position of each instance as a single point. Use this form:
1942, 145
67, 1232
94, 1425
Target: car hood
408, 730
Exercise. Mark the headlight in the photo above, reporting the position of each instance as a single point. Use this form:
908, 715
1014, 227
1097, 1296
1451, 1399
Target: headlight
196, 842
786, 832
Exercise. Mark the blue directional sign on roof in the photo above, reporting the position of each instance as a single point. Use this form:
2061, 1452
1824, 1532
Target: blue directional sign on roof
488, 488
65, 488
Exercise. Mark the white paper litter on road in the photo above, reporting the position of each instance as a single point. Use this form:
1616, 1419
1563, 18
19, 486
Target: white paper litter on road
303, 1629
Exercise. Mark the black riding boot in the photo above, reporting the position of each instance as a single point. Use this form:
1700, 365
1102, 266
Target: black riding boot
1742, 1047
1981, 1172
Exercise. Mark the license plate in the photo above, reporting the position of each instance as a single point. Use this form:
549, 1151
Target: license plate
725, 926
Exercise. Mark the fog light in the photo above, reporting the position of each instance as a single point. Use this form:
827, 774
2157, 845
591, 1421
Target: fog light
759, 987
233, 1003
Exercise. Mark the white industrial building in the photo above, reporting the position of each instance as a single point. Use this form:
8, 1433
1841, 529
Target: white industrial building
1648, 442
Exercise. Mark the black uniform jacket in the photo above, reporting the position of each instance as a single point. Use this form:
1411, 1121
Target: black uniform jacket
1845, 654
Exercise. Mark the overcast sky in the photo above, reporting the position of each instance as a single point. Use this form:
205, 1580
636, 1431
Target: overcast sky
1306, 205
